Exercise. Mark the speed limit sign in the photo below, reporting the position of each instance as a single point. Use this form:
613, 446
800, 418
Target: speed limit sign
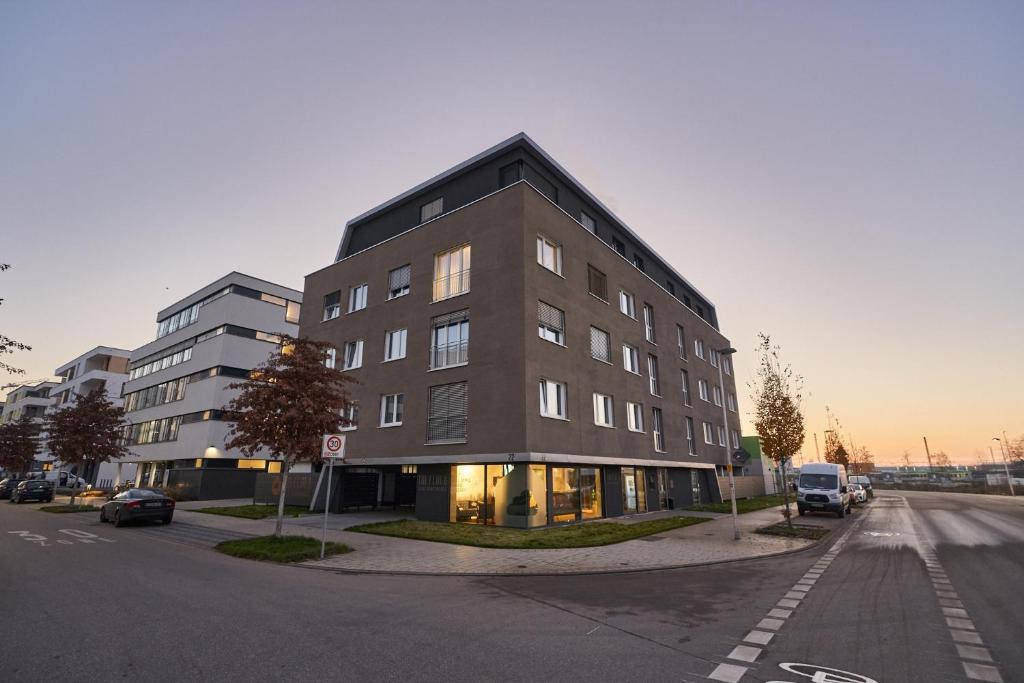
334, 446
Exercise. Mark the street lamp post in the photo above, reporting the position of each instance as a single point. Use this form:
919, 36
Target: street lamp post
725, 353
1006, 466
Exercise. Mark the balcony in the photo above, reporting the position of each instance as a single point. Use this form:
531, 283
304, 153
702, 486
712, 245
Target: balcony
451, 285
449, 355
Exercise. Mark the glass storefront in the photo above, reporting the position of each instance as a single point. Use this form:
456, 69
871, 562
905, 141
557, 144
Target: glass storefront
590, 493
634, 490
513, 495
565, 494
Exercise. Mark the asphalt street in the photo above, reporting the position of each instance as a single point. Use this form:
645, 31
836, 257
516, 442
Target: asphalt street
84, 601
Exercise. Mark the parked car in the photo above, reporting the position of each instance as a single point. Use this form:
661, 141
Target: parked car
823, 487
865, 482
860, 495
33, 489
137, 504
65, 480
8, 485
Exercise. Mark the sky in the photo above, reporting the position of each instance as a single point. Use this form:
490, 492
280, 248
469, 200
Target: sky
847, 177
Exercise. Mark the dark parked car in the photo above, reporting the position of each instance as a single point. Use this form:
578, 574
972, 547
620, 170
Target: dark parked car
33, 489
8, 485
135, 504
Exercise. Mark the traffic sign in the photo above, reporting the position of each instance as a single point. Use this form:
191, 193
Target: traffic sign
333, 447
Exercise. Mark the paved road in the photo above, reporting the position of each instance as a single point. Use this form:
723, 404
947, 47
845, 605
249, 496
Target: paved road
155, 602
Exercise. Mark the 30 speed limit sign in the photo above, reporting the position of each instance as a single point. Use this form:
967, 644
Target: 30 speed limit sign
334, 446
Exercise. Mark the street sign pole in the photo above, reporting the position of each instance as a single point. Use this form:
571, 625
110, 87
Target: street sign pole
327, 503
333, 449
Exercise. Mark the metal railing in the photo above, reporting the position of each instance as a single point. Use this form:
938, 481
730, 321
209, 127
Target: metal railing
451, 285
455, 353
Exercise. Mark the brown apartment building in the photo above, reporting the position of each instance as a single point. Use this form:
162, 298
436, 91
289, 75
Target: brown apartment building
523, 357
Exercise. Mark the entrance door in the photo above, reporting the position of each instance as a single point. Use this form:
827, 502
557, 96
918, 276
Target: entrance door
628, 490
662, 489
695, 485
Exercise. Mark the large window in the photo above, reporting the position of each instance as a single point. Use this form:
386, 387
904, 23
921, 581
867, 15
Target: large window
649, 333
291, 312
709, 434
735, 439
553, 399
331, 357
657, 430
721, 436
652, 371
151, 431
730, 400
448, 413
332, 305
575, 494
726, 365
449, 340
508, 494
686, 387
691, 439
681, 341
394, 344
357, 298
431, 209
604, 410
350, 417
702, 388
161, 363
597, 283
549, 254
353, 355
631, 359
698, 347
588, 222
399, 281
165, 392
551, 323
451, 272
600, 345
627, 303
391, 408
716, 392
178, 320
634, 416
634, 490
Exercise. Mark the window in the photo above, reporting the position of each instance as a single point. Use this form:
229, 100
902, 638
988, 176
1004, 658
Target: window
657, 431
553, 399
717, 394
735, 439
604, 411
588, 222
550, 323
451, 272
357, 298
353, 355
649, 324
291, 312
652, 370
681, 341
399, 281
702, 388
690, 442
709, 434
510, 174
631, 359
627, 304
394, 344
549, 254
638, 262
431, 209
730, 400
332, 305
634, 416
670, 287
448, 413
391, 408
350, 417
618, 246
726, 365
686, 388
600, 345
160, 364
449, 340
331, 359
597, 283
698, 347
721, 436
714, 358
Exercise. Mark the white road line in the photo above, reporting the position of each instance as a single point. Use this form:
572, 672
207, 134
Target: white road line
744, 653
982, 672
759, 637
771, 624
973, 652
954, 622
728, 673
780, 613
965, 636
785, 602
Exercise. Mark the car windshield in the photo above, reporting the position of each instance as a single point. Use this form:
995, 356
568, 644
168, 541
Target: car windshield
856, 487
818, 481
146, 493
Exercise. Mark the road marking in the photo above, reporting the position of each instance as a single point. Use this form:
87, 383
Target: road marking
728, 673
788, 603
824, 674
772, 624
744, 653
759, 637
972, 652
982, 672
953, 622
780, 613
965, 636
801, 587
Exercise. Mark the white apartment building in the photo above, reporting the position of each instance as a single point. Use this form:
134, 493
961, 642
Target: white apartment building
178, 384
28, 400
103, 368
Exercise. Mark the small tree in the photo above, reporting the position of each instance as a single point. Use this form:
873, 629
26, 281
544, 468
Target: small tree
87, 431
286, 406
835, 452
19, 442
776, 394
906, 459
941, 459
8, 345
861, 461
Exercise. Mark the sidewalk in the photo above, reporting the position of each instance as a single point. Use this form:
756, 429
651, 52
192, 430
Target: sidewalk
706, 543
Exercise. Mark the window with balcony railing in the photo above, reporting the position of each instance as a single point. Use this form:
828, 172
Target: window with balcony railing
451, 272
449, 340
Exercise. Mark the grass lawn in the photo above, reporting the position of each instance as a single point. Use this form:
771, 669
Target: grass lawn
69, 508
743, 504
796, 531
256, 511
280, 548
574, 536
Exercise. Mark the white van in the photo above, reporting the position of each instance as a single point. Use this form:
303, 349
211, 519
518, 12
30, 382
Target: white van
823, 487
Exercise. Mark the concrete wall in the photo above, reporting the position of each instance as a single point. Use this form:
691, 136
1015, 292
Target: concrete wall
746, 487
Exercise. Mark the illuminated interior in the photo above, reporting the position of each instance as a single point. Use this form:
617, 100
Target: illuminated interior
516, 495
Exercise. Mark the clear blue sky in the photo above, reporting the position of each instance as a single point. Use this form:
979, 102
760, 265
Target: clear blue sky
848, 177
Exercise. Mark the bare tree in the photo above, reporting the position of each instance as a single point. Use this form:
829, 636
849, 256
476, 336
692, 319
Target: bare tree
940, 459
906, 459
87, 431
286, 407
776, 394
8, 345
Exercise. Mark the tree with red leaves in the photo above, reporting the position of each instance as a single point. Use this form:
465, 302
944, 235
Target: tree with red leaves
87, 431
19, 442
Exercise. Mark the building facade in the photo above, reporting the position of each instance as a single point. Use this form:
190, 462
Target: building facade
31, 401
588, 387
178, 384
105, 369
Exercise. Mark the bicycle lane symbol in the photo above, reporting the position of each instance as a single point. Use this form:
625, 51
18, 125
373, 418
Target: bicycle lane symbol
822, 674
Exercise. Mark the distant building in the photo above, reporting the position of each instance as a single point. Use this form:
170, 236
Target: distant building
177, 384
760, 465
105, 369
31, 401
